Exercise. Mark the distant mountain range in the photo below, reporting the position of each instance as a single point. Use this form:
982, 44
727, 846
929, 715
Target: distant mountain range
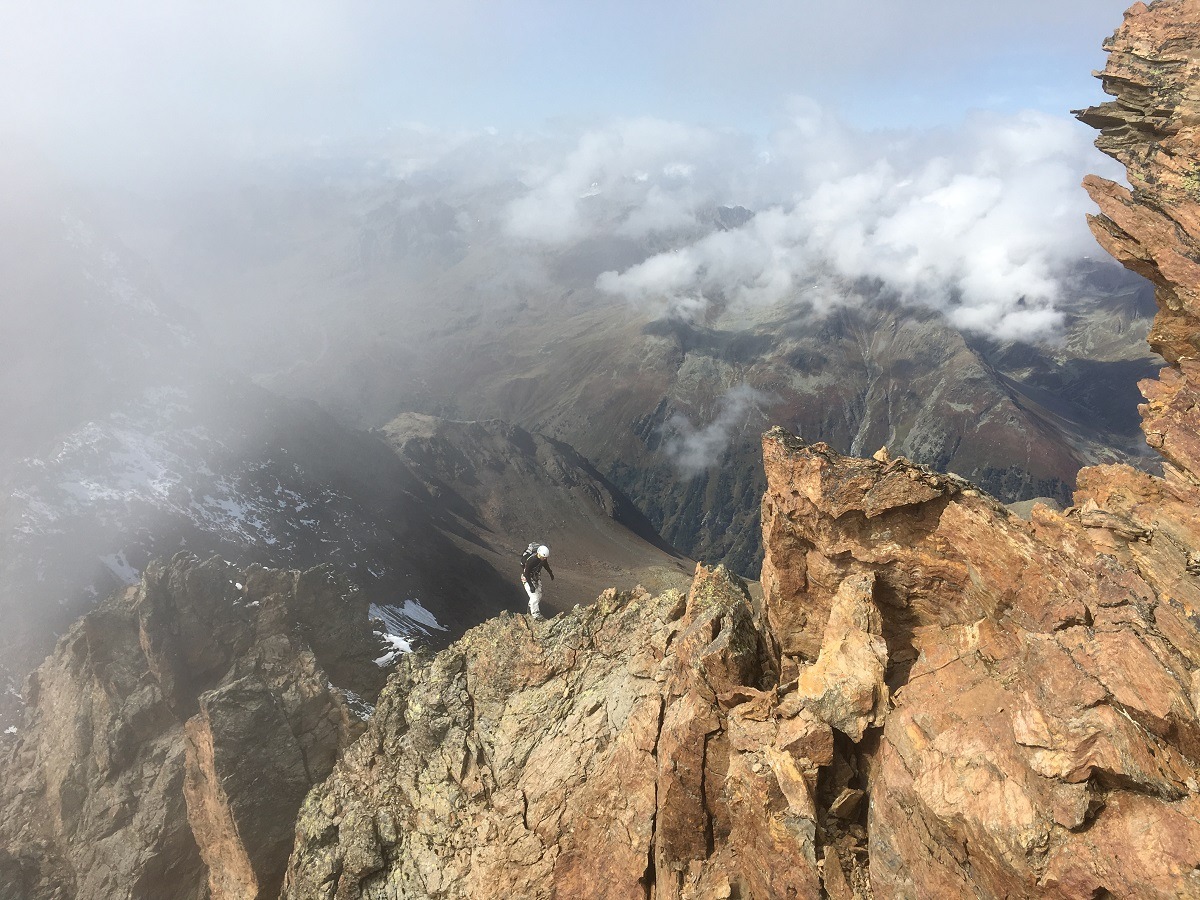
392, 296
139, 436
167, 400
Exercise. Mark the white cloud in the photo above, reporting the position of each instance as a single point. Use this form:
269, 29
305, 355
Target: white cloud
632, 178
982, 222
694, 448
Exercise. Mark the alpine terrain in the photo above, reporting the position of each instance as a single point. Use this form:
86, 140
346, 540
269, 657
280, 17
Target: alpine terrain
279, 457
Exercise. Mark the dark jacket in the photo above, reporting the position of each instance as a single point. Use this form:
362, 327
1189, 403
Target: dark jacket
533, 568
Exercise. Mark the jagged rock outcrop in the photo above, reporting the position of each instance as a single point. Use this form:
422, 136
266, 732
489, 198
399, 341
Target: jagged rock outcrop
936, 698
173, 734
1042, 713
1043, 740
638, 747
1152, 127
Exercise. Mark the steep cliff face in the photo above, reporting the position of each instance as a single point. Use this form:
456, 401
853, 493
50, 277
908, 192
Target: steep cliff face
171, 737
1042, 739
1151, 127
935, 699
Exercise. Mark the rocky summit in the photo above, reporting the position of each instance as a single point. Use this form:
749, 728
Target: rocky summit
582, 757
935, 697
931, 698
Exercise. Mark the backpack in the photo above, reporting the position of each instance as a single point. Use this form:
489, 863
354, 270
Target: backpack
530, 552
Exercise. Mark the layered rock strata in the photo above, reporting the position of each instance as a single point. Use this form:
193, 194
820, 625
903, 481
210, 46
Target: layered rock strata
1151, 127
1042, 738
173, 734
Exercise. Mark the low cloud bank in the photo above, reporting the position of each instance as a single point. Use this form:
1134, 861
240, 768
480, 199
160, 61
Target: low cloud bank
982, 222
632, 179
694, 448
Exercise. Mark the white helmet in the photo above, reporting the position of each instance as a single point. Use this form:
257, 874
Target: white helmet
543, 552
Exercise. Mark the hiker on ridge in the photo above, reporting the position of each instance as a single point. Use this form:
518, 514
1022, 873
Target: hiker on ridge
535, 558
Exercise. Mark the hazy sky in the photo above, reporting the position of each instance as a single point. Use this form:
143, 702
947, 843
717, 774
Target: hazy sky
926, 145
139, 82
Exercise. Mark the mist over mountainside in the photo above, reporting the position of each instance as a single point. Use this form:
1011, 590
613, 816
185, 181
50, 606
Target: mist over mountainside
434, 283
389, 293
136, 433
86, 323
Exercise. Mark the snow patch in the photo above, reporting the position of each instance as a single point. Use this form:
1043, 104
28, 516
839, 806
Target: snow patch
120, 567
402, 625
357, 704
398, 644
413, 610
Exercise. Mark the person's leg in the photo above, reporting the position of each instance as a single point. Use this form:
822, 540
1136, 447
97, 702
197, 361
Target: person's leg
535, 598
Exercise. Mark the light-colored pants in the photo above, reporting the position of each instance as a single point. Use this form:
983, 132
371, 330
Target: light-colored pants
535, 597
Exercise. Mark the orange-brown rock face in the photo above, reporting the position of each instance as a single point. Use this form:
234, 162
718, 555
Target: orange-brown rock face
1152, 126
937, 699
1043, 739
1042, 708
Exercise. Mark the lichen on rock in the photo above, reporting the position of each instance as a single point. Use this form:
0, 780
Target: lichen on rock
616, 750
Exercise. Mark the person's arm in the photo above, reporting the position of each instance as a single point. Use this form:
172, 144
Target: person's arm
548, 569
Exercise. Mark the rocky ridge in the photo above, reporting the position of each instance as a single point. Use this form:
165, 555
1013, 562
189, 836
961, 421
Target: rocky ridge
935, 699
173, 734
498, 486
566, 759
